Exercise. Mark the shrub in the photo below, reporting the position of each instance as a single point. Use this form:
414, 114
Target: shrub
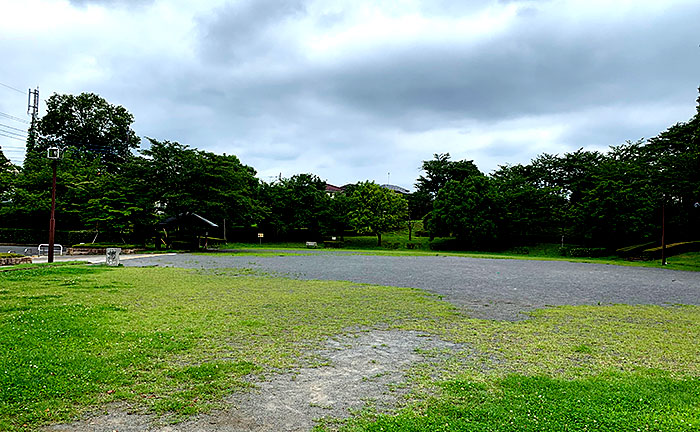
391, 245
106, 245
10, 255
521, 250
581, 252
333, 244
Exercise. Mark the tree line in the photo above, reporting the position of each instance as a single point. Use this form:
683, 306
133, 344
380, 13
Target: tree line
110, 187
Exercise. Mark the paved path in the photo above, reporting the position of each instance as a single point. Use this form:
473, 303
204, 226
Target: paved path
489, 288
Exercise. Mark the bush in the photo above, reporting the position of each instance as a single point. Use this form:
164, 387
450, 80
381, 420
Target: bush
448, 244
333, 244
37, 236
106, 245
582, 252
521, 250
10, 255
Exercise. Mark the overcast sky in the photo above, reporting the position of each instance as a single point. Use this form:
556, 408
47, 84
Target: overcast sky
354, 90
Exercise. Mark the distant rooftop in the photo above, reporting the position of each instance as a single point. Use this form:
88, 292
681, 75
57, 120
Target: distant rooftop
332, 188
395, 188
398, 189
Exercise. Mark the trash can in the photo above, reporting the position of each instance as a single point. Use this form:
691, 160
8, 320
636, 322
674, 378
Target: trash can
113, 256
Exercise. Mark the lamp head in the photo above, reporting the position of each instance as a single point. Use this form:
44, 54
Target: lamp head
53, 153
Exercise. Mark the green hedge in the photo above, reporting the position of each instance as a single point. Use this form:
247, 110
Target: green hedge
583, 252
10, 255
106, 245
38, 236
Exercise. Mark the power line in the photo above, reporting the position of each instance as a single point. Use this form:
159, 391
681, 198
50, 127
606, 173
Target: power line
13, 137
12, 88
11, 117
10, 127
13, 133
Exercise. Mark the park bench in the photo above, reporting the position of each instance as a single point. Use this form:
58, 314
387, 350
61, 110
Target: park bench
311, 245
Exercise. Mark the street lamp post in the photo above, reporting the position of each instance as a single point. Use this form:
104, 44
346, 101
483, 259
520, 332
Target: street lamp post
53, 153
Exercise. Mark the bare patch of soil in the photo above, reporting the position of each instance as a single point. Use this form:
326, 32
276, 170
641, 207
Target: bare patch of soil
358, 370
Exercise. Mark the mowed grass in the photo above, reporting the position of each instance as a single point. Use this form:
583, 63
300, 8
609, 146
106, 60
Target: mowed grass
611, 402
174, 342
584, 368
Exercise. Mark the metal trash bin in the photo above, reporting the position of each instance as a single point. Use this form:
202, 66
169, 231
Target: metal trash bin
113, 256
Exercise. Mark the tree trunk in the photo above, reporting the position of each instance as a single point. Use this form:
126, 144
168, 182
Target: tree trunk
379, 239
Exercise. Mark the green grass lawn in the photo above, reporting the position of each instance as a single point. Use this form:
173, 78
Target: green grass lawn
592, 368
171, 340
174, 342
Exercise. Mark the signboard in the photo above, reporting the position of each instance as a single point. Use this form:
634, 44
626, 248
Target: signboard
261, 235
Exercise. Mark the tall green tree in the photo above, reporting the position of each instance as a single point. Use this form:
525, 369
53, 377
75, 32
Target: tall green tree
182, 179
676, 158
8, 173
469, 210
527, 211
440, 170
88, 125
376, 210
296, 203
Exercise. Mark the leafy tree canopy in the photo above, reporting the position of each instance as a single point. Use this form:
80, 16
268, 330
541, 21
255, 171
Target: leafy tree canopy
440, 170
89, 125
296, 203
376, 210
468, 209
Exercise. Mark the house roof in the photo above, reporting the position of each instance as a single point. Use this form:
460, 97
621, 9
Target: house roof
332, 188
395, 188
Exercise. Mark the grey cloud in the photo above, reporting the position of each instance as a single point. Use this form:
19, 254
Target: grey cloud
241, 31
252, 85
528, 72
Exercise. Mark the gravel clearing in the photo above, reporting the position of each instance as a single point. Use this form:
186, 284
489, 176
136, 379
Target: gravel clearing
501, 289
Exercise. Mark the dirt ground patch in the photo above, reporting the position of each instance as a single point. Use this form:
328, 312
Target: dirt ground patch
357, 370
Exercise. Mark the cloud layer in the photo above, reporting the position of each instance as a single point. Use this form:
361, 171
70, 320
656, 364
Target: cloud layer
356, 90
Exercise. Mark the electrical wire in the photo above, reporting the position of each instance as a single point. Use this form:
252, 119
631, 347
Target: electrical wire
11, 117
12, 88
13, 133
13, 137
10, 127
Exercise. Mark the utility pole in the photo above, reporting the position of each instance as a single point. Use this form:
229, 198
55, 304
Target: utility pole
53, 153
33, 103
